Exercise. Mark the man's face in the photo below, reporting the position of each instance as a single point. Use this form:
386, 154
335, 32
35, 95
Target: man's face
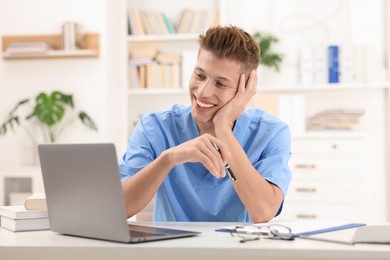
213, 83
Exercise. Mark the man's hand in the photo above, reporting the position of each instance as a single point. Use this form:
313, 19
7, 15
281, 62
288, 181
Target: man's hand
202, 149
228, 114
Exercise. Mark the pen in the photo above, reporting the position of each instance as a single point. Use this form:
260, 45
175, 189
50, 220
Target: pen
227, 167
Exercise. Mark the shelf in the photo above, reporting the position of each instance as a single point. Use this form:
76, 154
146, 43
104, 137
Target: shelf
90, 48
330, 135
325, 87
157, 91
163, 37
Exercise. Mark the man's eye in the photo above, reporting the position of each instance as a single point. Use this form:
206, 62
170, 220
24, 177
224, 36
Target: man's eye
220, 85
200, 76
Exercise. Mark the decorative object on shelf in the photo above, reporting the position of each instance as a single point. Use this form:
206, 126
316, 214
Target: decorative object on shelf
71, 36
49, 111
268, 57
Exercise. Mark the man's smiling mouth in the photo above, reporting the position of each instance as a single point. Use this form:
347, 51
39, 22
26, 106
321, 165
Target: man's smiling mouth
203, 105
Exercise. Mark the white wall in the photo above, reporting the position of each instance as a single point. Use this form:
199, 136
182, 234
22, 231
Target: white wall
94, 82
99, 85
300, 23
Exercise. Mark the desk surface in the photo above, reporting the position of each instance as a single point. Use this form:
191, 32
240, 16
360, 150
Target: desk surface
208, 245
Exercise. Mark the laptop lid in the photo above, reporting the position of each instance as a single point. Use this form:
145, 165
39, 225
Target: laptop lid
84, 194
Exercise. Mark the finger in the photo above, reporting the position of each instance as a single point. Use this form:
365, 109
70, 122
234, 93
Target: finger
215, 149
223, 151
242, 83
251, 85
210, 166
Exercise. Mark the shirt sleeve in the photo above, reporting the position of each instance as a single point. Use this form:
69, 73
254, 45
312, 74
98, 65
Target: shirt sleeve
273, 165
139, 152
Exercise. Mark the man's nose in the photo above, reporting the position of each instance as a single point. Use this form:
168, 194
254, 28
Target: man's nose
204, 89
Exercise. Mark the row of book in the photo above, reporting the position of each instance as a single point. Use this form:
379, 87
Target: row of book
191, 21
154, 75
336, 64
33, 215
149, 68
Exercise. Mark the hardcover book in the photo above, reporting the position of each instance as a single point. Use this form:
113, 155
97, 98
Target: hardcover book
36, 201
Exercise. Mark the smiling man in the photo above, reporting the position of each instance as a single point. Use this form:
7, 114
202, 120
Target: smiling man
179, 156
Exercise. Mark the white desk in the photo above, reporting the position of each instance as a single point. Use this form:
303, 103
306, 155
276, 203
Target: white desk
42, 245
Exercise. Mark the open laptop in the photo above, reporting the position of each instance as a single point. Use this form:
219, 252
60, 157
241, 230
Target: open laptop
84, 195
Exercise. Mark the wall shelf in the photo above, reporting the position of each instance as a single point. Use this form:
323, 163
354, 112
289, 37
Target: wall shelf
90, 48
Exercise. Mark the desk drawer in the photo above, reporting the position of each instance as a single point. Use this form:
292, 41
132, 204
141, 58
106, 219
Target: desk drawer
335, 192
312, 164
327, 146
310, 212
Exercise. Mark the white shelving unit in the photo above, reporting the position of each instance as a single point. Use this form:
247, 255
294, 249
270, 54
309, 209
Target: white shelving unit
140, 101
340, 175
337, 175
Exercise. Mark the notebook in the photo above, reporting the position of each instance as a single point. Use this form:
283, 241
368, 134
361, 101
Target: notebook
84, 195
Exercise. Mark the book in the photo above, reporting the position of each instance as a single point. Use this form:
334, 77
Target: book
20, 212
36, 201
333, 64
27, 224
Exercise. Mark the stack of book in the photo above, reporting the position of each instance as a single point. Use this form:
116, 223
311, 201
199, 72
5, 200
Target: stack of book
31, 216
28, 48
337, 119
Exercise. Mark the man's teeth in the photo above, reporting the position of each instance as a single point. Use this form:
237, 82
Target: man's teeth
204, 105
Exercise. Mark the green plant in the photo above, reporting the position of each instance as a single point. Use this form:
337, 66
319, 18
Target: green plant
49, 111
268, 57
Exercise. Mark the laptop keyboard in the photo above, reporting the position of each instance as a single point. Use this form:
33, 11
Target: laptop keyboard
135, 234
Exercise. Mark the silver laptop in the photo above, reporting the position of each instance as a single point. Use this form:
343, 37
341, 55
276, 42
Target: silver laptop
84, 195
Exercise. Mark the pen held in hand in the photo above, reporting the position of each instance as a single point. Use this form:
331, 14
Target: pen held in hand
227, 167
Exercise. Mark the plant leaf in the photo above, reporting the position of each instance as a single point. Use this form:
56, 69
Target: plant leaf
49, 109
87, 121
10, 123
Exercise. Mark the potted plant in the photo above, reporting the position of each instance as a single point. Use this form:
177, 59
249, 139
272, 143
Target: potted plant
49, 111
269, 58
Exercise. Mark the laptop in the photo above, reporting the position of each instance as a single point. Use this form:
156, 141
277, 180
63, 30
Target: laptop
84, 195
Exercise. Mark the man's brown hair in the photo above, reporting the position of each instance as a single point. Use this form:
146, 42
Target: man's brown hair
233, 43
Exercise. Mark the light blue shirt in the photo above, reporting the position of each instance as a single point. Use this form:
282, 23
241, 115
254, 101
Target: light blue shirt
190, 192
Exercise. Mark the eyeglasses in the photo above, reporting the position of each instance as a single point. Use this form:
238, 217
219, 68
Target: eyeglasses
254, 232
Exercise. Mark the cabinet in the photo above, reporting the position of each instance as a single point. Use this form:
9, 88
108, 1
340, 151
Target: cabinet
90, 47
340, 175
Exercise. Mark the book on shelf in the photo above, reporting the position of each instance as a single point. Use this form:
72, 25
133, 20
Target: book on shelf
144, 22
36, 201
333, 64
28, 48
27, 224
163, 57
197, 21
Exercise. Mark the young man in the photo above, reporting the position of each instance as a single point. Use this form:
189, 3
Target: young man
179, 155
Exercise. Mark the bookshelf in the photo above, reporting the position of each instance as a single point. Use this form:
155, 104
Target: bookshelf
159, 96
90, 48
